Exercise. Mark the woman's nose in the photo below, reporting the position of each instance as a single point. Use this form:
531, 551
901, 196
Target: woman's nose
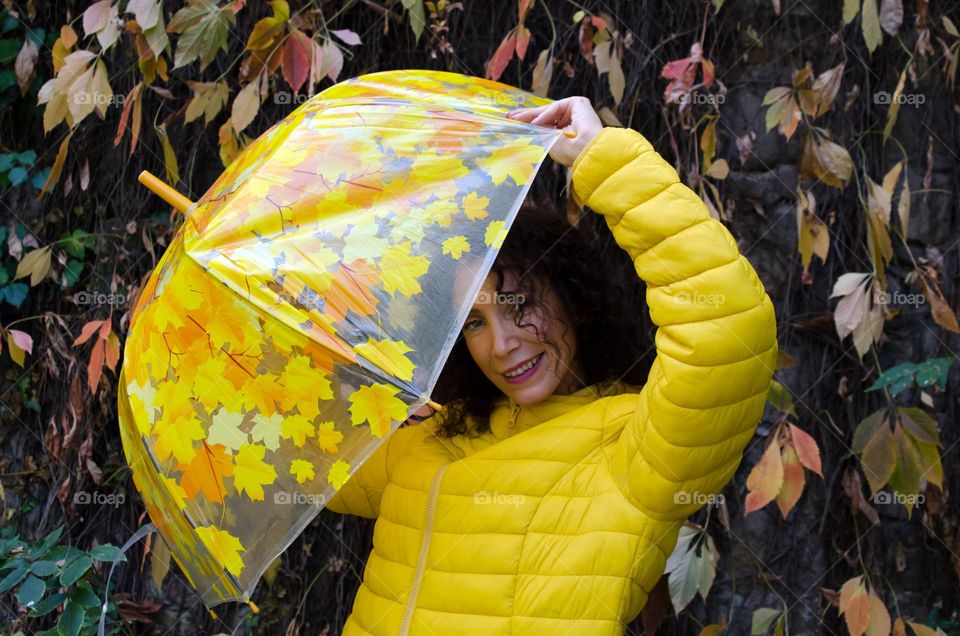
505, 339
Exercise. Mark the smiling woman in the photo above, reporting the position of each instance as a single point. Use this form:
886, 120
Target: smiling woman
547, 495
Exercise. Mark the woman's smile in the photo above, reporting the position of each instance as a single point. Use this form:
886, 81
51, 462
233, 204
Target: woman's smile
524, 371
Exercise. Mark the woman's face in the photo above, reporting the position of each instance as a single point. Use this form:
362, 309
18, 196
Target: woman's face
512, 357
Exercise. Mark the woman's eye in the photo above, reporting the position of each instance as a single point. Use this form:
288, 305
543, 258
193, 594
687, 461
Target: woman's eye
470, 324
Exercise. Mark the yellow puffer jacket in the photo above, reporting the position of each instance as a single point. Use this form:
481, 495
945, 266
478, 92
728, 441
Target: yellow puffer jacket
561, 519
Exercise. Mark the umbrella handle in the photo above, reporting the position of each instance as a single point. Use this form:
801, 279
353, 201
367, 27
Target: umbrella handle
569, 133
164, 191
434, 405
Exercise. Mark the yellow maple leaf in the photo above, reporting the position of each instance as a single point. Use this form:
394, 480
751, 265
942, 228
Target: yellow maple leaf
302, 470
515, 159
176, 491
377, 404
401, 269
338, 474
296, 427
251, 472
455, 246
328, 437
440, 212
475, 206
267, 430
306, 381
176, 438
224, 547
495, 234
225, 430
388, 355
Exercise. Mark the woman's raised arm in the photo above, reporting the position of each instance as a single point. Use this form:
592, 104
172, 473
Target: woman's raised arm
716, 337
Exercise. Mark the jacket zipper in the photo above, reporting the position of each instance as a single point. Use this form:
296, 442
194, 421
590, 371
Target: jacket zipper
424, 548
513, 416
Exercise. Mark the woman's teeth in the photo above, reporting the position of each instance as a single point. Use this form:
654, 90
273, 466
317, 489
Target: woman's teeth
524, 368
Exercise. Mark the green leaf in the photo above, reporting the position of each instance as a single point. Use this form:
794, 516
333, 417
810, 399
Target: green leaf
76, 243
106, 552
73, 571
27, 157
44, 568
6, 161
9, 23
17, 575
416, 16
17, 176
905, 479
934, 371
14, 293
203, 29
898, 378
31, 591
9, 49
919, 425
48, 604
879, 458
867, 428
71, 620
762, 620
780, 399
83, 597
46, 544
71, 273
40, 177
870, 24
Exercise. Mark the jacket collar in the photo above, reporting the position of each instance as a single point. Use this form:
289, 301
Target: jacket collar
508, 418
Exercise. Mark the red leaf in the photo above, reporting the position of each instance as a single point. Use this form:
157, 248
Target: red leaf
295, 62
87, 331
522, 9
807, 449
95, 366
675, 69
502, 56
523, 39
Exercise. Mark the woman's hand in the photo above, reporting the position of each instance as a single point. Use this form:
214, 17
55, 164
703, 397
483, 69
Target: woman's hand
571, 113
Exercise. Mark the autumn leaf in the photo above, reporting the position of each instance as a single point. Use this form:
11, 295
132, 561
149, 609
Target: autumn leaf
455, 246
338, 474
296, 427
302, 469
807, 450
495, 234
502, 56
401, 269
328, 437
389, 356
223, 546
251, 473
208, 100
205, 473
379, 406
793, 480
295, 59
19, 343
225, 430
267, 430
203, 29
543, 72
813, 237
826, 161
855, 606
765, 480
35, 264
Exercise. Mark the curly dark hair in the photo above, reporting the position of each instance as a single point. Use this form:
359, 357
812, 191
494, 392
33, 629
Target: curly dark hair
594, 280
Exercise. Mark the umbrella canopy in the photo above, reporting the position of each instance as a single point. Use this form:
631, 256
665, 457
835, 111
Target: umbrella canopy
307, 305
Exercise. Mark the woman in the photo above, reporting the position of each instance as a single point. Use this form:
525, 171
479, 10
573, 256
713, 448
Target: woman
552, 506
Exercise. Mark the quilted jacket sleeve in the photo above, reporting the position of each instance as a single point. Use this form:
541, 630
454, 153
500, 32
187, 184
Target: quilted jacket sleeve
361, 494
716, 337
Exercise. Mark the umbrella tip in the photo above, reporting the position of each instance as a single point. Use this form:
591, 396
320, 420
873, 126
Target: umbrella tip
213, 614
253, 607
